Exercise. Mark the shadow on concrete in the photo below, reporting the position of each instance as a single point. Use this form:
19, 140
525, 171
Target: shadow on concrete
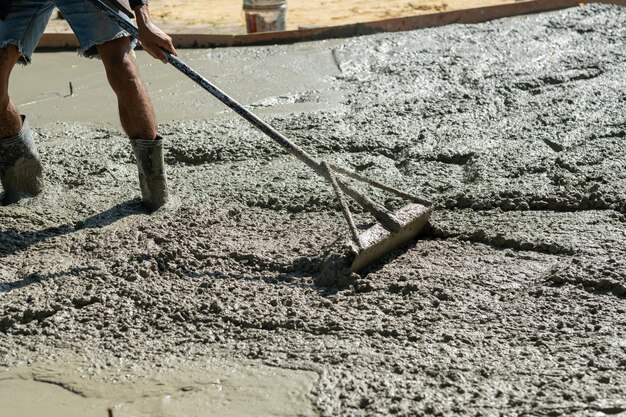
13, 241
36, 277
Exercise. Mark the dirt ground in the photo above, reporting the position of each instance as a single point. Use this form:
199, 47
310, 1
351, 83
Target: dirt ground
512, 303
226, 16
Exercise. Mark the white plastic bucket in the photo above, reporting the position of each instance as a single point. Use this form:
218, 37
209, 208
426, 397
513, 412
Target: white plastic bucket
265, 15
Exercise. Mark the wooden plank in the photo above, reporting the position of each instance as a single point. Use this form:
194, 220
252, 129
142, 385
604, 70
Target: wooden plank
58, 41
467, 16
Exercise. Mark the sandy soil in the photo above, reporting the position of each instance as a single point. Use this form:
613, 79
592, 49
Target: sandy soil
513, 302
220, 16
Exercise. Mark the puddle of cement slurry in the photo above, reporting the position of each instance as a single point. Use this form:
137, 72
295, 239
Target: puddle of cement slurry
273, 80
216, 390
31, 398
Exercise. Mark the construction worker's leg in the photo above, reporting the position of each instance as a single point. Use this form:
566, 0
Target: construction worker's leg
138, 121
20, 166
20, 32
10, 120
136, 113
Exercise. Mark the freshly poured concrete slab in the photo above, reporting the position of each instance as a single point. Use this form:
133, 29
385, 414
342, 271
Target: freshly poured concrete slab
221, 390
272, 80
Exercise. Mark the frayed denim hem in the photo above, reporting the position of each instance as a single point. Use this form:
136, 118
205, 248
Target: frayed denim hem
91, 52
24, 59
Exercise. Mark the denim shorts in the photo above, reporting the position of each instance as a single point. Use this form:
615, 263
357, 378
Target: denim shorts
27, 20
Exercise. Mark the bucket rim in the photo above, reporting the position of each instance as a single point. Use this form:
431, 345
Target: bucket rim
264, 4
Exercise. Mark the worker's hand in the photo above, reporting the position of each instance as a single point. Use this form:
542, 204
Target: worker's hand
151, 37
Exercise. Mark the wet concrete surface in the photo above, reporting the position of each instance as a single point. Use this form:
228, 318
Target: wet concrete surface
512, 303
270, 80
215, 388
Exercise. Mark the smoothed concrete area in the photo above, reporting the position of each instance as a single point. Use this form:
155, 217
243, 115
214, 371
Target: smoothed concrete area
216, 389
269, 80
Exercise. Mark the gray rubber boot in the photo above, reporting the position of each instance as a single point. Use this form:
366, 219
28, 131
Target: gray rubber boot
151, 166
20, 166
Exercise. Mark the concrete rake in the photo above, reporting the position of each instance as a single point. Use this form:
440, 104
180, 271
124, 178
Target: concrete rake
393, 230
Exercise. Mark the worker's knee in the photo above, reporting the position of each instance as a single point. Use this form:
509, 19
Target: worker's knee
120, 65
8, 57
124, 77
